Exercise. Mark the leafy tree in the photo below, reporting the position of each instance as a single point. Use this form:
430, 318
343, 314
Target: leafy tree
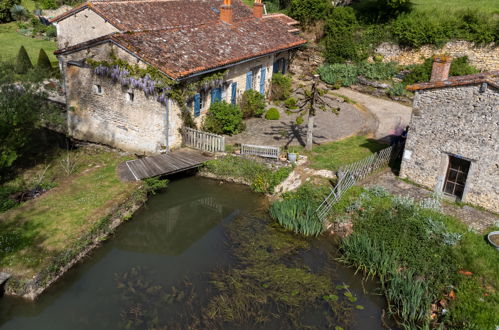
5, 6
23, 63
309, 11
224, 118
43, 61
252, 104
281, 86
379, 11
18, 120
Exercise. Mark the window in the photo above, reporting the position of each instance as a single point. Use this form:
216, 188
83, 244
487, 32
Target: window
457, 173
130, 96
98, 89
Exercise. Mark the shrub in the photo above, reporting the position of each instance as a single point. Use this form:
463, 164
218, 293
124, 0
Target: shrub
252, 104
272, 114
377, 70
51, 31
344, 74
290, 103
417, 29
223, 118
309, 11
48, 4
473, 25
19, 13
398, 89
23, 63
43, 61
378, 11
422, 72
281, 86
5, 6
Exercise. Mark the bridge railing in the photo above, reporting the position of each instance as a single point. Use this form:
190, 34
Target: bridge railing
203, 140
262, 151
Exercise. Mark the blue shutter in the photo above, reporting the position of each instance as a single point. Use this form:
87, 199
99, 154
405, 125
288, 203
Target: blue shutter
233, 92
216, 95
212, 96
197, 103
283, 66
275, 68
249, 80
262, 80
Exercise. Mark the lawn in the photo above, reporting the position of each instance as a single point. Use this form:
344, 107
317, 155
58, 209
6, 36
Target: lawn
36, 230
442, 7
333, 155
11, 41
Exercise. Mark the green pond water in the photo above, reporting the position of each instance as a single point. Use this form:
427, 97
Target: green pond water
203, 255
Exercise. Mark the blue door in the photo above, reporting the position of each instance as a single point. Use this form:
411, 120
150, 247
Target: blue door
197, 105
249, 80
262, 80
216, 95
233, 93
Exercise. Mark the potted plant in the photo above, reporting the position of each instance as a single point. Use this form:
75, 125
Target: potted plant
292, 156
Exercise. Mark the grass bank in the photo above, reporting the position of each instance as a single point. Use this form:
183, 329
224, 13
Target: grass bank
333, 155
43, 235
11, 41
433, 270
438, 7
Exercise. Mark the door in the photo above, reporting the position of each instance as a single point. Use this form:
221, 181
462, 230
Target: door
457, 173
262, 80
233, 93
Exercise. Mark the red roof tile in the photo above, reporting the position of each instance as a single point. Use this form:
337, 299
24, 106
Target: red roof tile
491, 78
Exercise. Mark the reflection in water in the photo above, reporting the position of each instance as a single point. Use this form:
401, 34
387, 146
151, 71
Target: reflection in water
179, 259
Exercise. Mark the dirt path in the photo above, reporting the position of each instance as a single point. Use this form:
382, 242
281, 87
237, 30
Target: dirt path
392, 117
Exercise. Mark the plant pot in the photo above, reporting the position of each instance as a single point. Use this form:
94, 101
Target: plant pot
493, 238
292, 157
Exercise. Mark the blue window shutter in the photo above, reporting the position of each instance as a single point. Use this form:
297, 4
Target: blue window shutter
197, 108
212, 96
233, 92
216, 95
249, 80
283, 66
262, 80
275, 68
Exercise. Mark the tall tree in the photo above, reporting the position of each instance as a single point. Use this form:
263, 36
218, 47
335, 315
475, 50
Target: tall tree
43, 61
23, 63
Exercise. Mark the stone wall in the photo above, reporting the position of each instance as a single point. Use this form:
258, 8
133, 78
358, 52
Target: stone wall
484, 58
82, 26
460, 121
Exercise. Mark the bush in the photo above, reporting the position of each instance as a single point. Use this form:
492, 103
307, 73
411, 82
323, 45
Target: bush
223, 118
272, 114
309, 11
48, 4
252, 104
5, 6
43, 61
23, 63
51, 31
422, 72
417, 29
290, 103
19, 13
344, 74
398, 89
378, 11
281, 86
377, 71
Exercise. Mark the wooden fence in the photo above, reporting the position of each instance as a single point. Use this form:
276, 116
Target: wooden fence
203, 140
262, 151
349, 174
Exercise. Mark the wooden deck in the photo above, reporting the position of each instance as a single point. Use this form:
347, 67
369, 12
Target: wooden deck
170, 163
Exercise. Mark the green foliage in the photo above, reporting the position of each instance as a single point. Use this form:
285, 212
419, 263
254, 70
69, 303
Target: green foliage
5, 201
18, 120
378, 11
309, 11
51, 31
272, 114
290, 103
153, 185
422, 72
223, 118
297, 215
5, 13
43, 61
48, 4
299, 120
281, 86
252, 104
19, 13
398, 89
256, 174
23, 63
346, 74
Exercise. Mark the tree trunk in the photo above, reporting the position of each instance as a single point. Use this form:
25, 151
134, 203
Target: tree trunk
311, 115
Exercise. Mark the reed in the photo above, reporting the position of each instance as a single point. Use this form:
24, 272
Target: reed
297, 215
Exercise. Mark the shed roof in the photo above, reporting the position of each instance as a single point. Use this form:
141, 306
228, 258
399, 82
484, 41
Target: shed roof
491, 78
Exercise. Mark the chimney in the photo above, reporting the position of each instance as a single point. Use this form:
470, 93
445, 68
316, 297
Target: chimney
258, 9
441, 67
226, 12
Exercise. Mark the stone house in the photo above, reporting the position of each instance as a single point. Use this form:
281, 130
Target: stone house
135, 70
453, 141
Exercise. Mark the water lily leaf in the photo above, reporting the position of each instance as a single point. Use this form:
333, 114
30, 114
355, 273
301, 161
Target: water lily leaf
359, 307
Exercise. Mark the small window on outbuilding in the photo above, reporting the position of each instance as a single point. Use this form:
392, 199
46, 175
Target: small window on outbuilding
457, 173
130, 96
97, 89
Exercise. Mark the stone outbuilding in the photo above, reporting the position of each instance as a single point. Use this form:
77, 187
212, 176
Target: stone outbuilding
453, 146
135, 72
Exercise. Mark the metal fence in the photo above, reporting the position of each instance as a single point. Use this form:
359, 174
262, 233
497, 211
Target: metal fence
262, 151
203, 140
349, 174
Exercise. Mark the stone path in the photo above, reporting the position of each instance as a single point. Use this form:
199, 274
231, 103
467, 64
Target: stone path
476, 219
392, 117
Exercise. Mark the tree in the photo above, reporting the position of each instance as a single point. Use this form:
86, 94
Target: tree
224, 118
23, 63
313, 100
309, 11
18, 120
43, 61
5, 6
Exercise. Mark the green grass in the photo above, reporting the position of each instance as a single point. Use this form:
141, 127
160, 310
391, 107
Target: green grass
28, 4
439, 7
333, 155
11, 41
44, 227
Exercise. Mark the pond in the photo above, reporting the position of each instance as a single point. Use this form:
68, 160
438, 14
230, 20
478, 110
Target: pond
202, 255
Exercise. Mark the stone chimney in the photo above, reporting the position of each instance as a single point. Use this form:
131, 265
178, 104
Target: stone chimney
441, 67
226, 12
258, 9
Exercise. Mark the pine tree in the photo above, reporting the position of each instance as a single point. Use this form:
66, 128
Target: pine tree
23, 63
43, 61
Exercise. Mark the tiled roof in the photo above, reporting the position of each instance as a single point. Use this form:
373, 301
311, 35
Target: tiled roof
183, 52
491, 78
140, 15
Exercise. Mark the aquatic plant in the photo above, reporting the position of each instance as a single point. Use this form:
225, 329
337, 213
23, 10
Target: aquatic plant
297, 215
